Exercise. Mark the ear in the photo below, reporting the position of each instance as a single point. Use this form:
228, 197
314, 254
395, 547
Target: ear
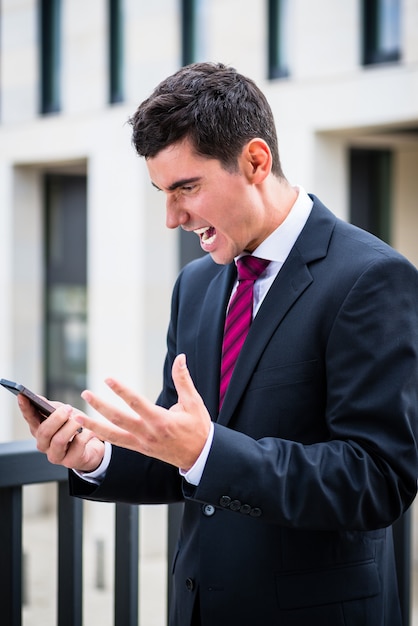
257, 160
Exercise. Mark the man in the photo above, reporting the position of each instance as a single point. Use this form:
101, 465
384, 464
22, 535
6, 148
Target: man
293, 477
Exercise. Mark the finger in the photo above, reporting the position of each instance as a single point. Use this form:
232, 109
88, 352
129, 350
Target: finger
58, 422
139, 404
118, 427
30, 414
107, 431
58, 446
69, 447
109, 411
188, 395
85, 453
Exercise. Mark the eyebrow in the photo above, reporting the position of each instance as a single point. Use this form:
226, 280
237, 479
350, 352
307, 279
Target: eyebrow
179, 183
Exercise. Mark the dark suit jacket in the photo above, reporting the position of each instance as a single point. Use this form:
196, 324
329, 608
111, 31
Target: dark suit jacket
314, 453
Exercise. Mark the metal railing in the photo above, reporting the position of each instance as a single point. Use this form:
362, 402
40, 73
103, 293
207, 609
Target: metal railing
21, 464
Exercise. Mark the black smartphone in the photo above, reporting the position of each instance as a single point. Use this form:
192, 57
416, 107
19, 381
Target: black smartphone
42, 405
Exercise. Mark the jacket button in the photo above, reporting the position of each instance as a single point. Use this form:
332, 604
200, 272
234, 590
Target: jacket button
189, 584
208, 510
245, 509
225, 501
235, 505
255, 512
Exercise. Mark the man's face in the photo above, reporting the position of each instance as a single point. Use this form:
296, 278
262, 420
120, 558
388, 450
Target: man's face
221, 207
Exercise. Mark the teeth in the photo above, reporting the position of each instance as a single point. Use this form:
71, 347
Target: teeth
204, 234
208, 240
200, 231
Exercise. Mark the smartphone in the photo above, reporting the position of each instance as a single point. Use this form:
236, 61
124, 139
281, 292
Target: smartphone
42, 405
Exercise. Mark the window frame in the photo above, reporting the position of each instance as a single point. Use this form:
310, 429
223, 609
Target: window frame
65, 281
50, 35
373, 49
188, 31
371, 190
116, 51
278, 66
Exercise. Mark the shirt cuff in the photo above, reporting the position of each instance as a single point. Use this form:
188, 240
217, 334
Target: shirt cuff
99, 473
194, 474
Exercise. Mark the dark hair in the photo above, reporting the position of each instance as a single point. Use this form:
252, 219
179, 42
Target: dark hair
213, 106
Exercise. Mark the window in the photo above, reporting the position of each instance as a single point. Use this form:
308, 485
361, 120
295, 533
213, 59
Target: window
194, 30
66, 290
194, 46
189, 247
381, 31
370, 191
278, 43
50, 55
116, 82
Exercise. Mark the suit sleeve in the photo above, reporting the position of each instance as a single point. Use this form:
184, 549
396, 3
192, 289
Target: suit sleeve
364, 475
132, 478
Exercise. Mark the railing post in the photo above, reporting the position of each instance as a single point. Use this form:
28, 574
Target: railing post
70, 568
11, 556
126, 565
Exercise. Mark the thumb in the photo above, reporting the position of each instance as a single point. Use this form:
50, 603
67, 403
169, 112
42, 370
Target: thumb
186, 391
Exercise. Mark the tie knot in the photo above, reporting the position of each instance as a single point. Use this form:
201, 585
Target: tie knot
250, 267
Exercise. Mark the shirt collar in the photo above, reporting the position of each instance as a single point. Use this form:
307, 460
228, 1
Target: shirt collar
276, 247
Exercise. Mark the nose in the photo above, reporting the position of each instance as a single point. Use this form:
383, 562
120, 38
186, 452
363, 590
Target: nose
175, 215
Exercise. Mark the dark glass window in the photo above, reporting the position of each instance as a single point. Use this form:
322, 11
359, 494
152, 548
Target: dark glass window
66, 287
116, 56
189, 247
193, 49
278, 34
50, 55
370, 191
193, 30
381, 31
188, 31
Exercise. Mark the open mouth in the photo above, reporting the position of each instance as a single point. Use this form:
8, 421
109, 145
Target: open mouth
207, 235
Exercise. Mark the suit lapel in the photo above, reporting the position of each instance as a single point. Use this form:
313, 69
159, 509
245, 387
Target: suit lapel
290, 283
293, 279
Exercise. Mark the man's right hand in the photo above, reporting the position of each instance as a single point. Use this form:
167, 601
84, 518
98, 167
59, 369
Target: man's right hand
59, 438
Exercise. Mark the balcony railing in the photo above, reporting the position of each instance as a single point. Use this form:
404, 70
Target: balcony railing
21, 464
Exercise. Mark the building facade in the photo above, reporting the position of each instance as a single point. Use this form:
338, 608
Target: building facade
87, 265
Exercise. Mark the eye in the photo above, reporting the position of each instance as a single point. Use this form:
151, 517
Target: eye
189, 188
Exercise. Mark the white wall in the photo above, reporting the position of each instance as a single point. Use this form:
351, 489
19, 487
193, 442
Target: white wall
329, 103
19, 100
405, 218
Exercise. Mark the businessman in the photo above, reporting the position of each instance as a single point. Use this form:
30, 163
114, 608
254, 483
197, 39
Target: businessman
287, 422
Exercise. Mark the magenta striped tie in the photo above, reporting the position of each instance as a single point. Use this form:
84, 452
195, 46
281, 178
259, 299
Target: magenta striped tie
239, 317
